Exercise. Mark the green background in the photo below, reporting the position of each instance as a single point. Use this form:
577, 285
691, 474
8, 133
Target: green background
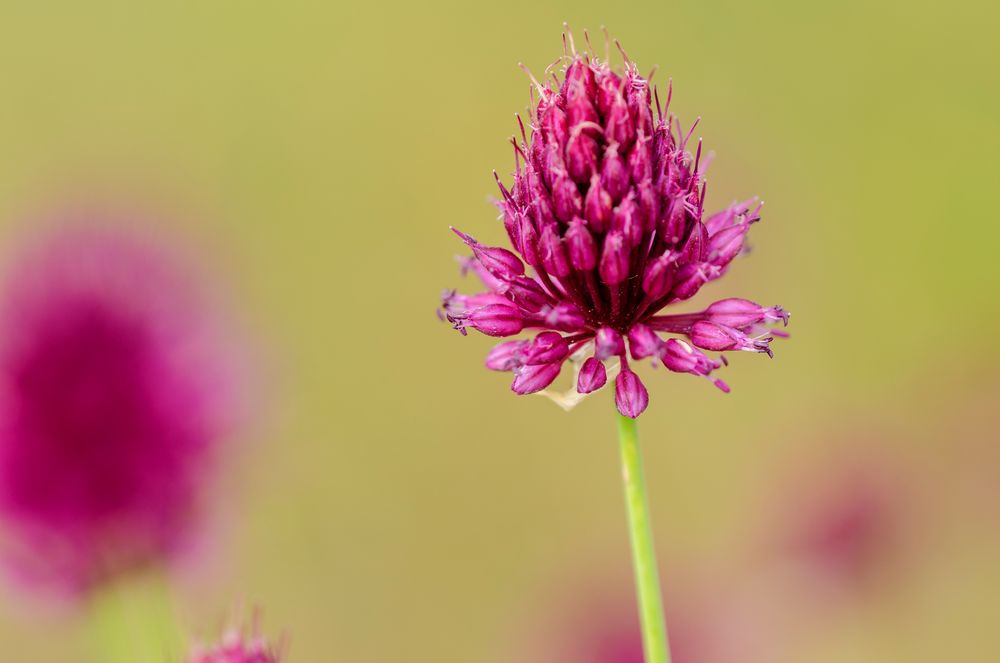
395, 501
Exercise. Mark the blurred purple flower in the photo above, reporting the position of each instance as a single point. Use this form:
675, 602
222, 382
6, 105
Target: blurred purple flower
606, 209
848, 524
114, 389
709, 622
235, 648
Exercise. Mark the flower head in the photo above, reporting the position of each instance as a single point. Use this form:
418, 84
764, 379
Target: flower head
605, 219
113, 393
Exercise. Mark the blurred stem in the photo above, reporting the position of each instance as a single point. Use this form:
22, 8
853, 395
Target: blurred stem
647, 578
134, 623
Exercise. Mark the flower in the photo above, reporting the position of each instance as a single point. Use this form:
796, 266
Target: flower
594, 619
235, 648
605, 219
114, 391
850, 525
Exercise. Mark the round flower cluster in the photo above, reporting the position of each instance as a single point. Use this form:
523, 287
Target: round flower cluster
605, 219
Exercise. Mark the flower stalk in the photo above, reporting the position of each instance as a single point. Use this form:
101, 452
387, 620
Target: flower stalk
647, 578
134, 622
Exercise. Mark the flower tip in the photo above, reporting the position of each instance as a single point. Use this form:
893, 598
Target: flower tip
532, 379
592, 376
631, 396
465, 238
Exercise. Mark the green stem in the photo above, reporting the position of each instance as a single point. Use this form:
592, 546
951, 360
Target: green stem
133, 622
647, 578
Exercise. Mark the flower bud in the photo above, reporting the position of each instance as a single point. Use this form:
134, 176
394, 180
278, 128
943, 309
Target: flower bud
691, 277
608, 343
526, 293
728, 216
542, 208
580, 80
554, 257
696, 246
638, 97
712, 336
675, 224
471, 264
659, 275
499, 262
545, 348
726, 244
530, 379
597, 207
640, 164
492, 320
529, 241
649, 203
680, 357
631, 396
743, 314
564, 317
615, 259
627, 220
579, 110
581, 157
566, 200
614, 175
512, 224
555, 125
643, 342
455, 304
619, 127
582, 248
608, 91
506, 356
592, 376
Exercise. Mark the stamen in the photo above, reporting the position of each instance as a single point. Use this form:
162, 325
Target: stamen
503, 190
569, 33
548, 69
524, 135
628, 63
541, 90
690, 131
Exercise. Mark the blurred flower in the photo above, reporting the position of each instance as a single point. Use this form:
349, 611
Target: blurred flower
842, 527
606, 209
709, 622
235, 648
114, 389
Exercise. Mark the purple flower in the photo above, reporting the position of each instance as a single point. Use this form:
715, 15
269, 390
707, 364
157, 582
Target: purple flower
594, 620
114, 391
848, 526
235, 648
605, 219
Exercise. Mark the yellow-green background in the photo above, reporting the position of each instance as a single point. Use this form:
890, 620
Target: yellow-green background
397, 502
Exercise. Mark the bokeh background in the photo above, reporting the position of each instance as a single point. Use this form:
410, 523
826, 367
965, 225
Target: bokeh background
394, 500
